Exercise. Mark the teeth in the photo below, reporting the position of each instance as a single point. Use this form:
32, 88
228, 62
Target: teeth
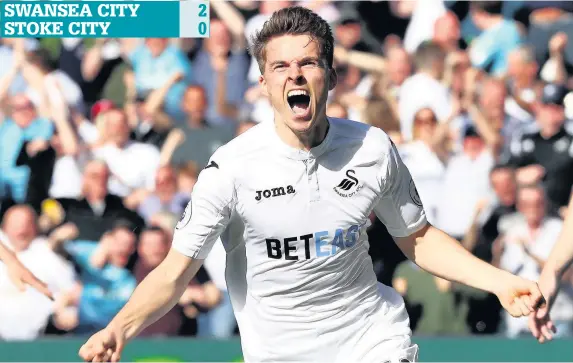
297, 92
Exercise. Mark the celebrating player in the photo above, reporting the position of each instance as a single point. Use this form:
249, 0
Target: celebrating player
291, 200
559, 260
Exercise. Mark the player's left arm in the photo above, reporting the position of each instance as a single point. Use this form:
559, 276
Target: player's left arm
400, 209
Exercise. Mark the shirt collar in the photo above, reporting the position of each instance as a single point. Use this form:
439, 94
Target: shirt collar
299, 154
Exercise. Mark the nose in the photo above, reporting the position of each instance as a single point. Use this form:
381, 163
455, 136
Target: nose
295, 73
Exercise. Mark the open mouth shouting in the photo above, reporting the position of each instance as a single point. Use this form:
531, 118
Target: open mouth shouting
299, 103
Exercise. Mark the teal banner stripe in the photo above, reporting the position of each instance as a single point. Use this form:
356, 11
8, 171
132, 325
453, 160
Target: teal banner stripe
89, 19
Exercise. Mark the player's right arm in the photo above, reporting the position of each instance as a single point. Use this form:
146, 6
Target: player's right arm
560, 259
212, 202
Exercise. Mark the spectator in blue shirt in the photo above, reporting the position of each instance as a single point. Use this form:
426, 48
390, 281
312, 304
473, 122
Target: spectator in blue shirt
107, 282
22, 126
499, 37
154, 63
220, 67
8, 47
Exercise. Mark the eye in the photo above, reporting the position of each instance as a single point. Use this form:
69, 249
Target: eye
310, 64
279, 67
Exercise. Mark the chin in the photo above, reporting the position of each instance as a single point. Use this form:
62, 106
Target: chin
301, 125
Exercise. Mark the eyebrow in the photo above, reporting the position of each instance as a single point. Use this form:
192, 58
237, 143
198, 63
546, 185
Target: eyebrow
305, 59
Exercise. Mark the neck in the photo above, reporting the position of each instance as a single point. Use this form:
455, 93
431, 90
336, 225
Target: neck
490, 21
92, 199
196, 121
548, 133
534, 225
430, 72
306, 140
165, 196
522, 83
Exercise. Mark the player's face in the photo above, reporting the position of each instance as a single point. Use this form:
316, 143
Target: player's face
297, 80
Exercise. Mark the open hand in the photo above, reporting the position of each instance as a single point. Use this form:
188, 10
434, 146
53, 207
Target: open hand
540, 322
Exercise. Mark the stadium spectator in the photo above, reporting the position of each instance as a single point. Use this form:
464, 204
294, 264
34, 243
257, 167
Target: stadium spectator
425, 157
96, 68
11, 53
447, 32
486, 228
196, 140
399, 68
106, 281
224, 55
96, 210
154, 62
380, 113
424, 89
523, 84
187, 177
25, 314
498, 37
55, 166
148, 123
40, 65
526, 245
465, 182
544, 152
165, 197
132, 164
24, 125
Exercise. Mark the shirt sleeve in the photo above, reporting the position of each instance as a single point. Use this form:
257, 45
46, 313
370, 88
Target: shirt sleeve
208, 213
135, 55
44, 129
399, 208
182, 64
81, 251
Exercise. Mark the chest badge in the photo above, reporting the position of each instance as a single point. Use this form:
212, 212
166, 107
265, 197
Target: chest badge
349, 185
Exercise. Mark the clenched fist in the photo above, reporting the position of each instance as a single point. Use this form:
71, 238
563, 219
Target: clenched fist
104, 346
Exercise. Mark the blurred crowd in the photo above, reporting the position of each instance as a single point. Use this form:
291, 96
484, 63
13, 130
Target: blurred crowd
101, 141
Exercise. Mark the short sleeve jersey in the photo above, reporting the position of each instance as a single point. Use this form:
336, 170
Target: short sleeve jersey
294, 224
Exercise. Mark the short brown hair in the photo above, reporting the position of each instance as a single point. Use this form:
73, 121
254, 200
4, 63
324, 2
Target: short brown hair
294, 20
427, 54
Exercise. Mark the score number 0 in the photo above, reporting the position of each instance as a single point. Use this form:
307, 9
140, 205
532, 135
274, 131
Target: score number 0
202, 14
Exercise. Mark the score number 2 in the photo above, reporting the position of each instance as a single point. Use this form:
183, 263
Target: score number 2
202, 14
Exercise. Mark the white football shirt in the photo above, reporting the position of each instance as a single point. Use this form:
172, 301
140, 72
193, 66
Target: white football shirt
293, 223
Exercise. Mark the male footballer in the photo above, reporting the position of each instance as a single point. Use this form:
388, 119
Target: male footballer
291, 200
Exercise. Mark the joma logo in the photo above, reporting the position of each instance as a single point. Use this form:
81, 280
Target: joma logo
274, 192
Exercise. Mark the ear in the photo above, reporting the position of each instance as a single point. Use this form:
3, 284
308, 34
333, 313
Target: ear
263, 84
332, 79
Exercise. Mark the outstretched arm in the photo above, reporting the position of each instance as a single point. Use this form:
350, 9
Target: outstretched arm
19, 274
401, 210
157, 294
443, 256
